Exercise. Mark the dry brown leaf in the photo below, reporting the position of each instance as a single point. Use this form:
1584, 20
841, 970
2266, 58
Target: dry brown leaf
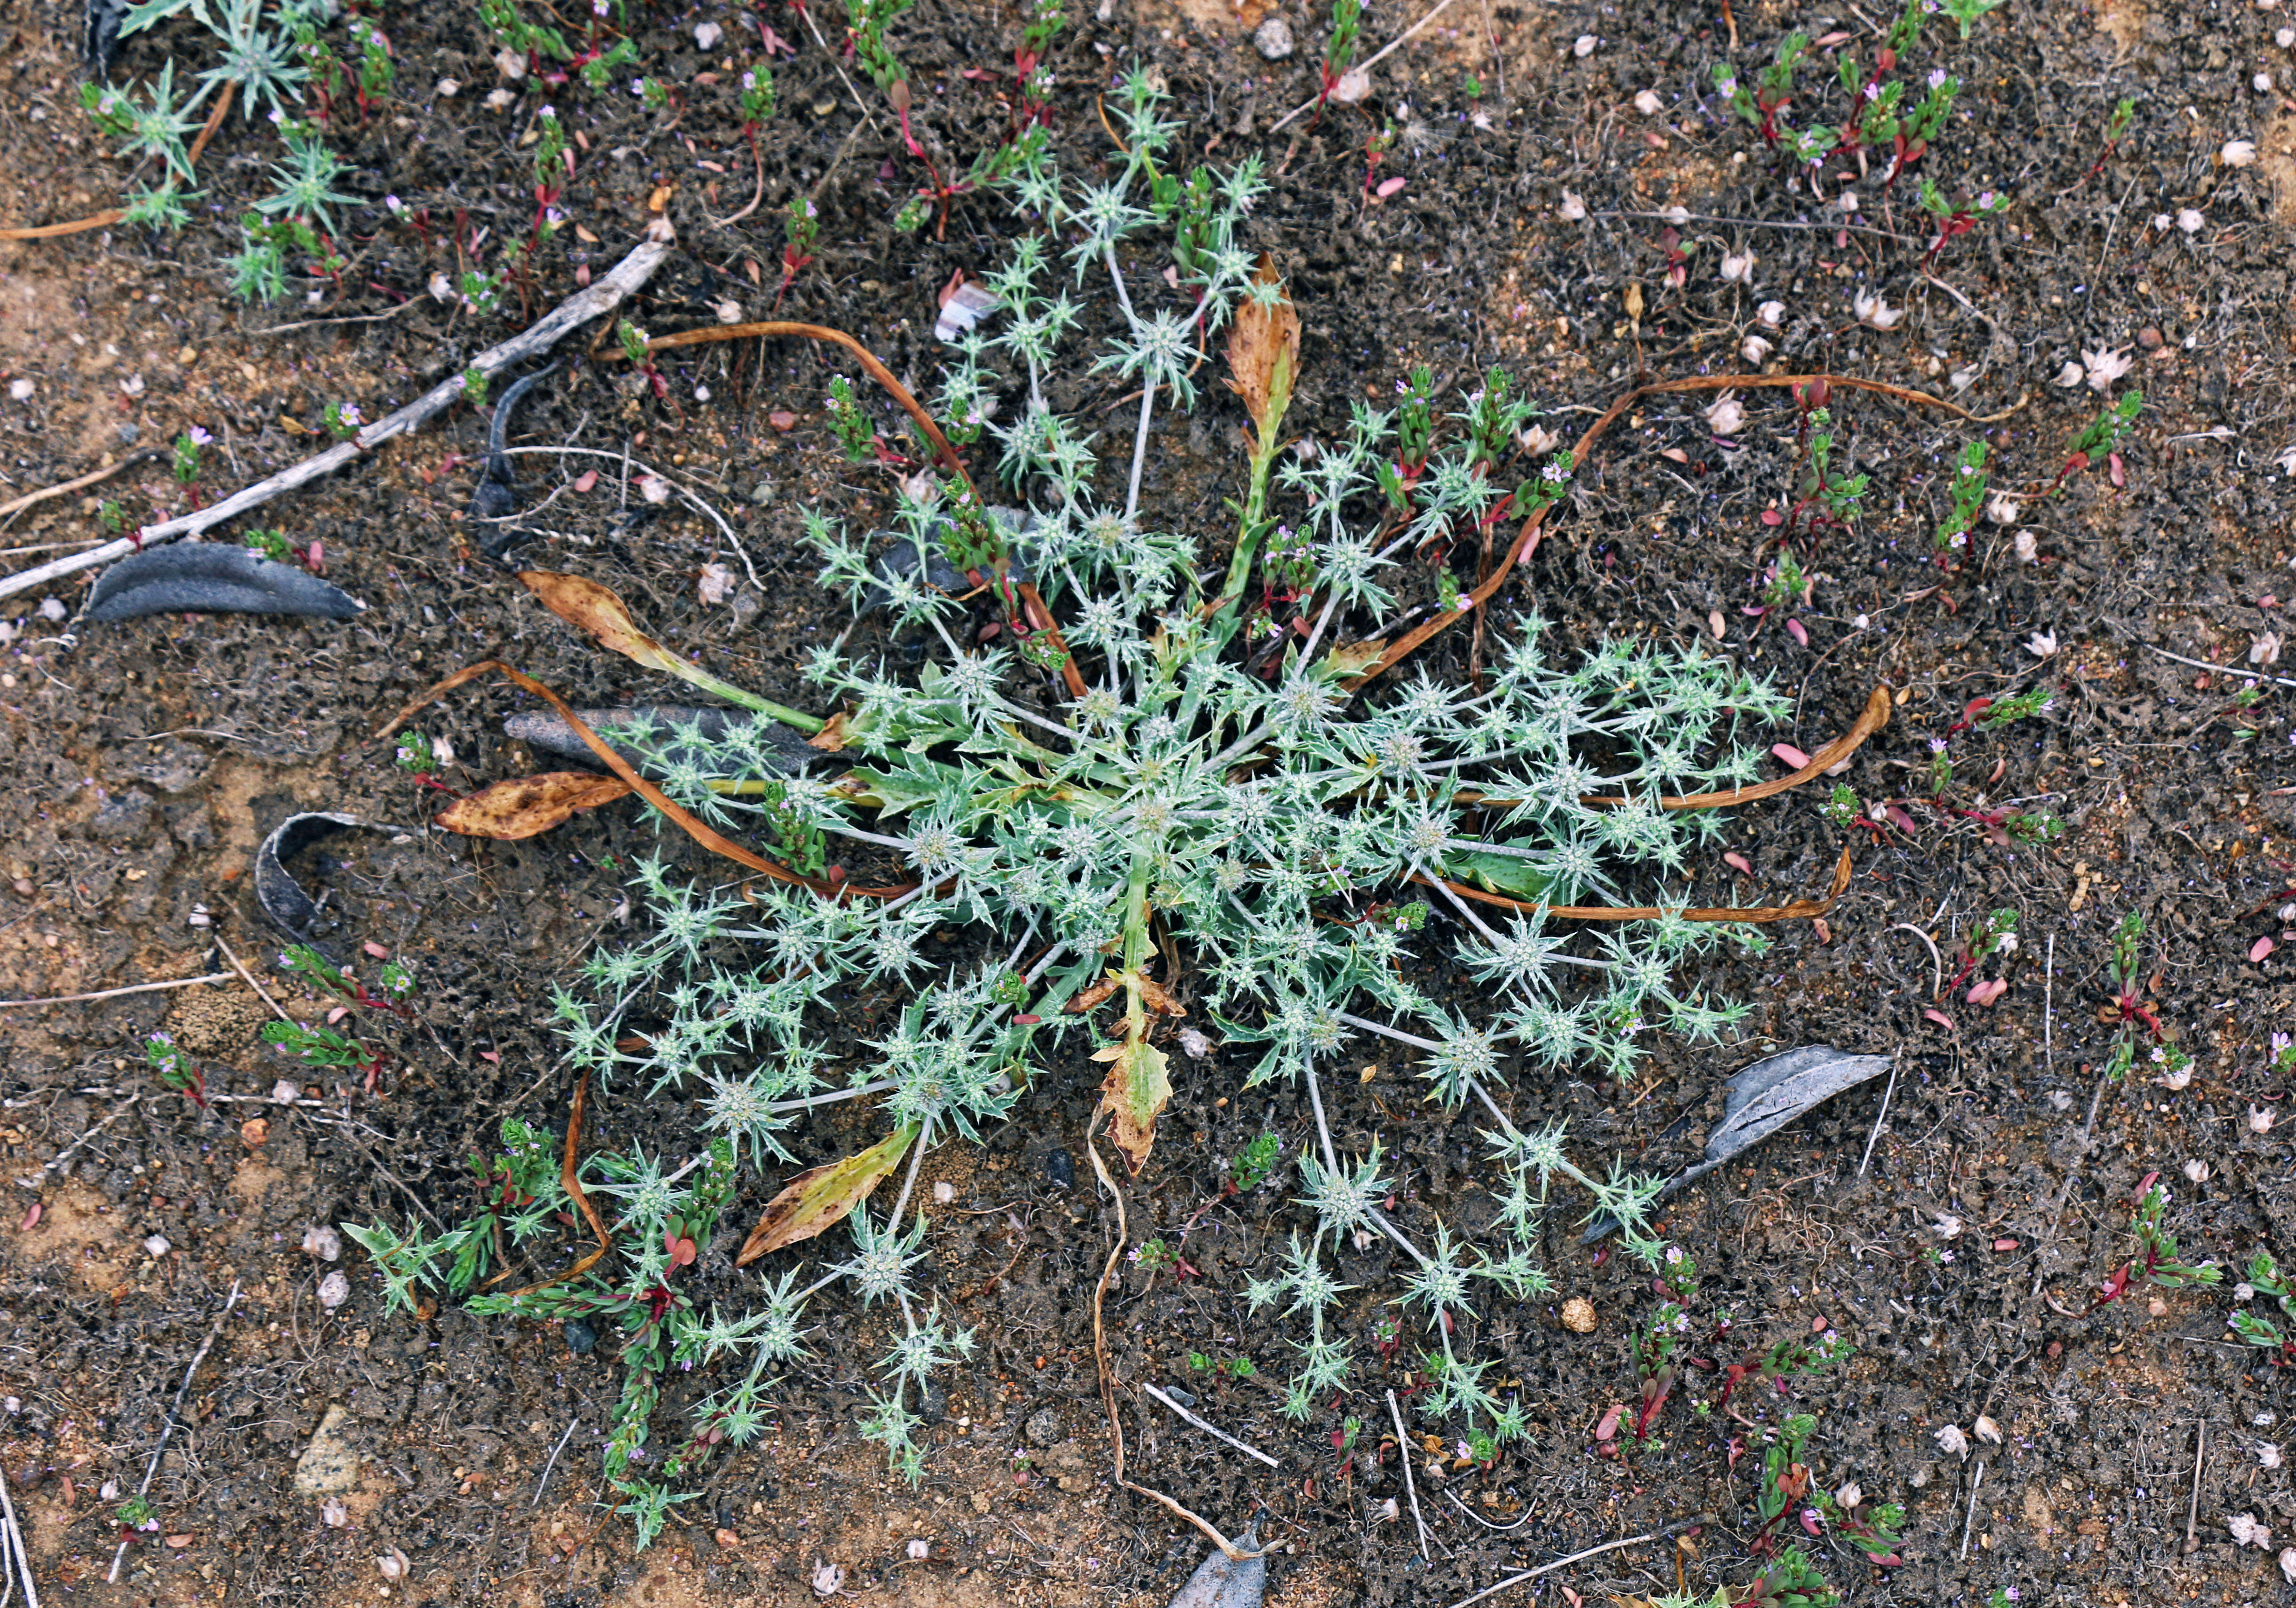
525, 807
1134, 1091
1263, 355
822, 1195
831, 738
587, 606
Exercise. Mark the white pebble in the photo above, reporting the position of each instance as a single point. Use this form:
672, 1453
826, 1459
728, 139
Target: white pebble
322, 1240
334, 1290
2190, 220
157, 1245
2239, 153
52, 608
1648, 104
1585, 46
20, 391
285, 1093
944, 1192
707, 35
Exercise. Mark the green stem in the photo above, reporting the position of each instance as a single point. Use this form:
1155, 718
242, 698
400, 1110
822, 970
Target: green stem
698, 676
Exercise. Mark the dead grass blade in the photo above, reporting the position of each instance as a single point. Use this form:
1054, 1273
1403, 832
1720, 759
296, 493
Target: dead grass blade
820, 1196
1107, 1380
1039, 615
569, 1180
1759, 915
1872, 718
526, 807
104, 220
1526, 542
700, 831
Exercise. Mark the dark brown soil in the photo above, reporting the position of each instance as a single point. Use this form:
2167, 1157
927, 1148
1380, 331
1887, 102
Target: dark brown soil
147, 759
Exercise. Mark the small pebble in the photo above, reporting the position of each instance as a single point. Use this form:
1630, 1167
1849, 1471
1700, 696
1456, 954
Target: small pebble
581, 1334
334, 1290
1043, 1428
322, 1240
2149, 338
285, 1093
1585, 46
1060, 1167
393, 1564
1578, 1314
157, 1245
1274, 39
944, 1192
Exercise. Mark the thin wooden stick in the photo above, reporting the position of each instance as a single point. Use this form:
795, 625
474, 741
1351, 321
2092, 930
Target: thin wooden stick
1213, 1431
1405, 38
11, 509
1108, 1378
140, 988
248, 976
174, 1410
1410, 1485
1576, 1557
1888, 1089
599, 298
14, 1555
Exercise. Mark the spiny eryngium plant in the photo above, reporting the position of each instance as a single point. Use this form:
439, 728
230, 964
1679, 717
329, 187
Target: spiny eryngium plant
1154, 755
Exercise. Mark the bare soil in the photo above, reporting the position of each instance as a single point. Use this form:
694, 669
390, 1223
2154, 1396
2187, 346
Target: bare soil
146, 760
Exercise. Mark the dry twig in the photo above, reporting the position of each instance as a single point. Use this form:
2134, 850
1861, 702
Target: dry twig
174, 1410
602, 297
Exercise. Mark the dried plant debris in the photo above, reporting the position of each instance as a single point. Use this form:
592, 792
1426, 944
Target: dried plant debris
660, 737
1763, 1098
277, 894
214, 578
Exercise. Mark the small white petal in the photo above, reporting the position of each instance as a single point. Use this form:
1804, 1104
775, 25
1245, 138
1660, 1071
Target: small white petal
2240, 153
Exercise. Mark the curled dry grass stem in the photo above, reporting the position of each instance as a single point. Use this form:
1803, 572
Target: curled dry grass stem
1797, 910
104, 220
1040, 617
1526, 542
1108, 1378
570, 1180
699, 830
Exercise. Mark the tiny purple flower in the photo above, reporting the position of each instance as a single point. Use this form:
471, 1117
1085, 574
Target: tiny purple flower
1937, 77
200, 438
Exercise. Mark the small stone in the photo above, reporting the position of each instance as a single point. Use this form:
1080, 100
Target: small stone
2149, 338
2156, 1308
1354, 84
157, 1245
393, 1564
919, 1549
447, 89
944, 1192
983, 1501
1043, 1428
285, 1092
762, 494
1060, 1167
329, 1466
334, 1290
821, 109
1578, 1314
1274, 39
727, 1540
707, 34
53, 609
254, 1131
581, 1334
